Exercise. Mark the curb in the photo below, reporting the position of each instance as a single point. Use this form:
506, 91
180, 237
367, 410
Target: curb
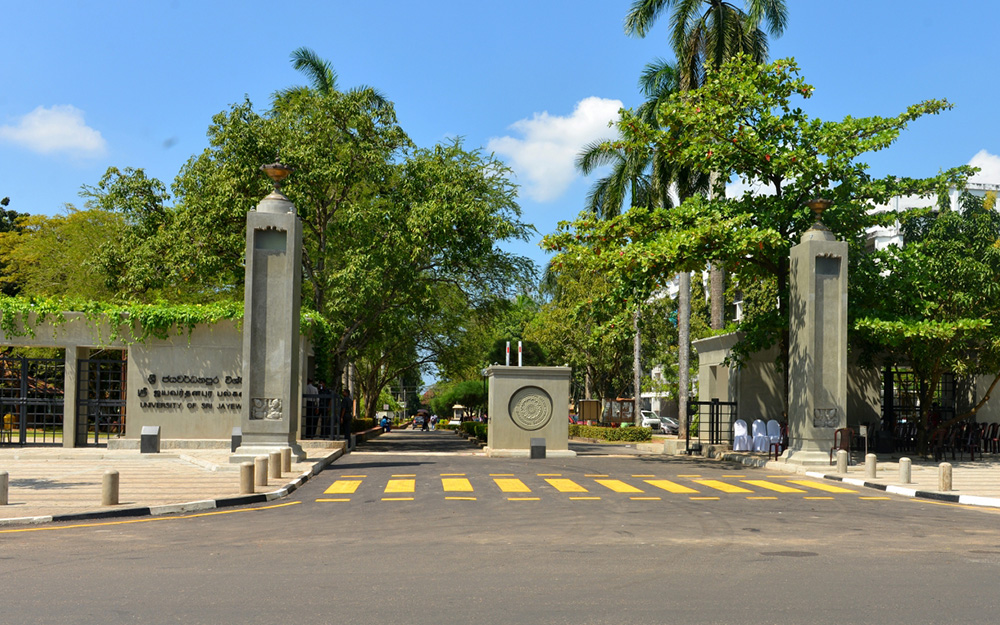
967, 500
191, 506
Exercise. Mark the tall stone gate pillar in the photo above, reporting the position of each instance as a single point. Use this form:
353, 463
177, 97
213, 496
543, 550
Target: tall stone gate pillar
817, 402
270, 412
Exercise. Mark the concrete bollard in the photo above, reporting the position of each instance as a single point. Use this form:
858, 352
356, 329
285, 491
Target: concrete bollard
286, 459
109, 488
4, 488
944, 476
274, 465
246, 478
260, 471
905, 475
871, 466
841, 461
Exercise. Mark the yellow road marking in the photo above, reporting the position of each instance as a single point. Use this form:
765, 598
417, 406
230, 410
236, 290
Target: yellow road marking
688, 476
817, 497
405, 475
460, 498
875, 498
512, 485
761, 497
643, 476
781, 488
452, 474
397, 499
343, 487
734, 476
645, 498
670, 487
456, 485
328, 499
501, 475
400, 486
353, 476
595, 475
783, 477
821, 486
703, 498
524, 499
619, 486
148, 519
550, 475
724, 487
567, 486
584, 498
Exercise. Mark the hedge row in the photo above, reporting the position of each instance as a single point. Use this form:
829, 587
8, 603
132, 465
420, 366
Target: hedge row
475, 428
360, 425
629, 434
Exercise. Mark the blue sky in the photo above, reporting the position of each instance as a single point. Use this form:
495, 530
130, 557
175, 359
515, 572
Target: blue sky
85, 86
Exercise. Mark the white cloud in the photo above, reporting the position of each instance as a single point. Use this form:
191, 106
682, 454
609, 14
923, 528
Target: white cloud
55, 129
989, 164
545, 158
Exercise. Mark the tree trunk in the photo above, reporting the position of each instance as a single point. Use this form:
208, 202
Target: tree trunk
683, 349
636, 366
717, 295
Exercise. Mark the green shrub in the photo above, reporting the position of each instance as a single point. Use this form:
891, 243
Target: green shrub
469, 427
481, 430
360, 425
627, 434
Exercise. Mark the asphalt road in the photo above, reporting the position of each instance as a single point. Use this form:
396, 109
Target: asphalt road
410, 530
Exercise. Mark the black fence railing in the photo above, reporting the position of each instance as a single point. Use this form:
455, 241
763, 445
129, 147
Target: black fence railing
321, 417
710, 422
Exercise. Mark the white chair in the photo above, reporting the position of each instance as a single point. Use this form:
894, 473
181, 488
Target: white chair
759, 432
741, 440
774, 431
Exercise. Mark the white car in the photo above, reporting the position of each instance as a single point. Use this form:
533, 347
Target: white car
649, 419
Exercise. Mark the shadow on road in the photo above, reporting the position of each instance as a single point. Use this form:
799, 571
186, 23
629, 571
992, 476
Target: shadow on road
438, 441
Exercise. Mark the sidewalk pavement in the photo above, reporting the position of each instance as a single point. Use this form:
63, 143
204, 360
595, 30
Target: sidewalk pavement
974, 483
59, 484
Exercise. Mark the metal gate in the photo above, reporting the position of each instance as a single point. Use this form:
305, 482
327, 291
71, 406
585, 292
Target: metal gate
711, 422
321, 416
100, 400
31, 400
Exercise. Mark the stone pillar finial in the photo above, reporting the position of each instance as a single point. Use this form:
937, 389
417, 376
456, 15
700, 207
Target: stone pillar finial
277, 172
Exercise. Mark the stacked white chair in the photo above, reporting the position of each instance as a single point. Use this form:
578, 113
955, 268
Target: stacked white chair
741, 440
760, 440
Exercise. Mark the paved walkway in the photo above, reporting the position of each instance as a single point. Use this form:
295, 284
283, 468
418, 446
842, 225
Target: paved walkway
46, 483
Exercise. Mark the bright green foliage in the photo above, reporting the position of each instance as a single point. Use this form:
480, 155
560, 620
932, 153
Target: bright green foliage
627, 434
743, 120
934, 304
59, 255
471, 393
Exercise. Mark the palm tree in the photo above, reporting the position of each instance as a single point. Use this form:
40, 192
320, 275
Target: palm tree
324, 81
705, 39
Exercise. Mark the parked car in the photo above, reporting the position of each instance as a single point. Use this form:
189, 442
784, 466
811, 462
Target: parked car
649, 419
669, 425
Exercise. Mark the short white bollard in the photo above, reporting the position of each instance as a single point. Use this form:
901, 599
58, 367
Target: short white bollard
246, 478
260, 471
905, 466
4, 487
841, 461
286, 459
944, 476
109, 488
274, 464
871, 466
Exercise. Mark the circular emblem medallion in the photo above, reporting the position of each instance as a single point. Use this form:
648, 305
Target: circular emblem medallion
530, 408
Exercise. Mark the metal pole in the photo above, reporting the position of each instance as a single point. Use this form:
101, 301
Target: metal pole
683, 353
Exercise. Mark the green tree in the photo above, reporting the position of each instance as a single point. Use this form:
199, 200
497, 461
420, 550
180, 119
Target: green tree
744, 120
934, 303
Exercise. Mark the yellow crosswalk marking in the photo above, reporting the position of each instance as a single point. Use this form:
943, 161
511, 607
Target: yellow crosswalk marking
619, 486
397, 499
550, 475
511, 485
768, 498
584, 498
456, 485
404, 475
452, 475
524, 499
460, 498
400, 486
343, 487
817, 497
595, 475
645, 498
723, 486
780, 488
703, 498
643, 476
821, 486
670, 487
566, 486
689, 476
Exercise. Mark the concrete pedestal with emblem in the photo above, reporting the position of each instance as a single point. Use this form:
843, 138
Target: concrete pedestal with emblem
527, 403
